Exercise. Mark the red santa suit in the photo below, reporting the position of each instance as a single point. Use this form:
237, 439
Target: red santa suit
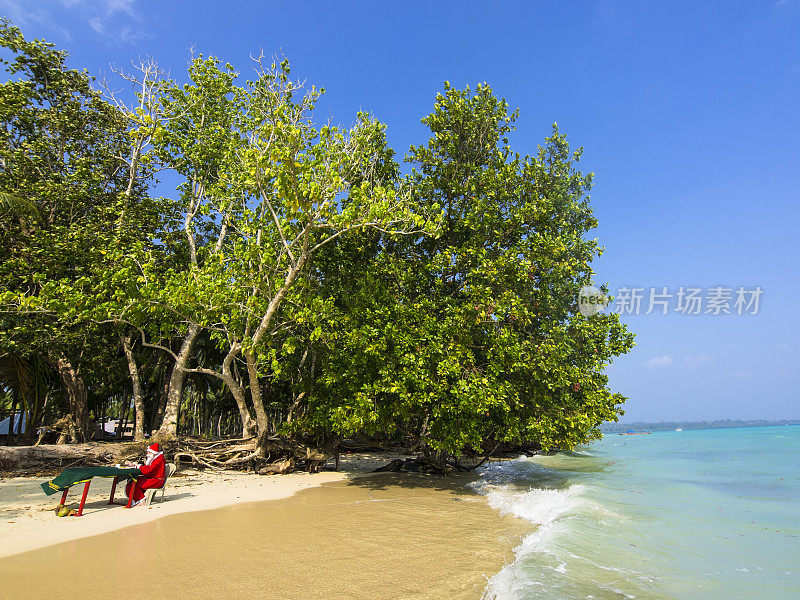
153, 471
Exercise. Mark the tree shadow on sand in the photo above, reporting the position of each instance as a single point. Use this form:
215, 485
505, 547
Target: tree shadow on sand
454, 483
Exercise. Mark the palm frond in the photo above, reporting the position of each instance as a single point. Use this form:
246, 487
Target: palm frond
20, 206
16, 374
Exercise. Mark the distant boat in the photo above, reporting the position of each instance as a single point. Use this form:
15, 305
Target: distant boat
632, 432
679, 429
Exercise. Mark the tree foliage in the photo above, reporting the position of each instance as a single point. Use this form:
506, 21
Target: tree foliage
297, 283
60, 171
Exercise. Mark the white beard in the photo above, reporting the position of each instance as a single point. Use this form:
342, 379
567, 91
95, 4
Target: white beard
151, 457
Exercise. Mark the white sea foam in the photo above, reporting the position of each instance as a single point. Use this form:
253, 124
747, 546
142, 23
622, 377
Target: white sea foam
640, 520
547, 560
549, 508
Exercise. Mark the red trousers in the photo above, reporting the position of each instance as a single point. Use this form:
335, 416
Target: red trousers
145, 483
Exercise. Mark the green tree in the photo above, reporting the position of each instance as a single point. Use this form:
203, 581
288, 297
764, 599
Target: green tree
197, 140
291, 188
296, 267
59, 149
474, 335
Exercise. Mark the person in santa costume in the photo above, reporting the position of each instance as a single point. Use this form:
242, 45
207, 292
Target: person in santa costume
153, 471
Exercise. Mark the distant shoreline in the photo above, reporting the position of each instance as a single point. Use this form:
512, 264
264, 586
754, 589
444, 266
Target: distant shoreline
673, 425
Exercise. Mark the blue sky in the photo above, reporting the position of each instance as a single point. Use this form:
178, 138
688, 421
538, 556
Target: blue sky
689, 114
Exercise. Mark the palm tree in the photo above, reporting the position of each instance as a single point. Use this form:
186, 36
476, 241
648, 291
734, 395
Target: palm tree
17, 205
29, 381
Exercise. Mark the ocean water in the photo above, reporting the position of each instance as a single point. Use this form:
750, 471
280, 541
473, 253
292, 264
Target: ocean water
698, 514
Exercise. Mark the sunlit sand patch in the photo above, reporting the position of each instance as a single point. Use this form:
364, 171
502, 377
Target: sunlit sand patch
384, 536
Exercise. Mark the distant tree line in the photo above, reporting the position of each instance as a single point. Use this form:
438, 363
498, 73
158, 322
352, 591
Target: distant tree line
297, 284
673, 425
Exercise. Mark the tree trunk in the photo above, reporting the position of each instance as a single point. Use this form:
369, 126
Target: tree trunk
255, 394
36, 424
123, 418
169, 426
76, 392
138, 399
68, 430
248, 426
437, 459
12, 422
161, 404
32, 404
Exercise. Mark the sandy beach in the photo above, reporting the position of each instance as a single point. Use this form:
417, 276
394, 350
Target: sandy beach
27, 520
230, 535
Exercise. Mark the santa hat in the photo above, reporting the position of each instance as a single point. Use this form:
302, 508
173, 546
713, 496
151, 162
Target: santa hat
153, 452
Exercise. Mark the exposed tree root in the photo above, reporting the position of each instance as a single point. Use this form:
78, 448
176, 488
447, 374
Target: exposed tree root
274, 455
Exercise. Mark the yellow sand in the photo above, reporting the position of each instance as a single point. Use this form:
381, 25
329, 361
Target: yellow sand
384, 536
27, 521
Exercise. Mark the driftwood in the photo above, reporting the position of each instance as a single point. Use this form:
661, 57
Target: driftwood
56, 456
278, 467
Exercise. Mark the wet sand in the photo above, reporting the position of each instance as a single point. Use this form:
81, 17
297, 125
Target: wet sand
378, 537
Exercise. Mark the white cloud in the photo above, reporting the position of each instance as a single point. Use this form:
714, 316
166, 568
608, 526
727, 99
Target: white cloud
97, 24
742, 375
103, 13
115, 20
660, 361
125, 6
23, 13
696, 360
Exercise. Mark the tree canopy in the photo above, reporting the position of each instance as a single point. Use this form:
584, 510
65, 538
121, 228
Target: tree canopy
300, 284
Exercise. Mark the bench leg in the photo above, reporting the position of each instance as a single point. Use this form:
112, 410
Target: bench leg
64, 496
113, 489
83, 498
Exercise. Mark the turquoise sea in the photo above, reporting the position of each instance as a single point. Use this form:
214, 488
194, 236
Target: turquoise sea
698, 515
